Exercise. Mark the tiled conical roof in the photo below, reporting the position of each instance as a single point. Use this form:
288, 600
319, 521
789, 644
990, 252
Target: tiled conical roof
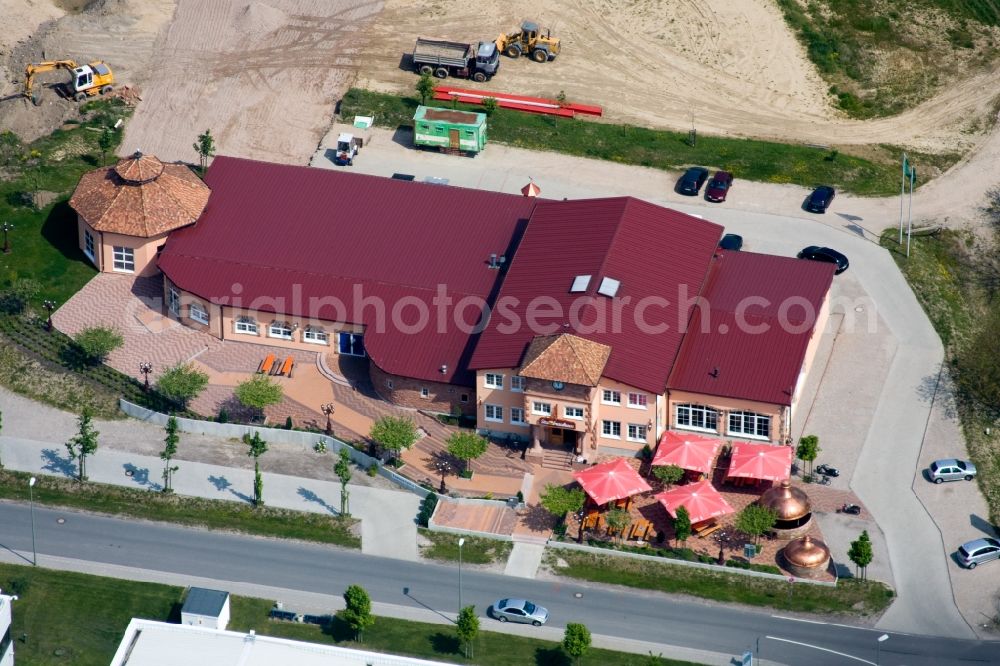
140, 196
565, 357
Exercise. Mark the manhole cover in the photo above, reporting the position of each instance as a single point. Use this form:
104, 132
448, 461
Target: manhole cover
129, 472
60, 520
578, 595
859, 308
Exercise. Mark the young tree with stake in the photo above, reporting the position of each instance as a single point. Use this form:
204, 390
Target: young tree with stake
576, 641
168, 453
861, 554
258, 447
394, 433
205, 147
83, 444
682, 524
343, 471
358, 613
466, 446
807, 450
468, 629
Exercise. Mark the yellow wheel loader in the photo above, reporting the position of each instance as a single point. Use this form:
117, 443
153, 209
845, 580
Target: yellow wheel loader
531, 40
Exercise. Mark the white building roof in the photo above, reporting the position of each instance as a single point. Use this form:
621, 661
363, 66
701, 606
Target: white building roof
149, 643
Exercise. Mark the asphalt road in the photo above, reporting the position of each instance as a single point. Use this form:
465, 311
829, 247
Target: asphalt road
605, 610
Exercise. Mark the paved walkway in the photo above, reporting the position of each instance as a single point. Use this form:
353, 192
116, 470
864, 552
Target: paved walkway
524, 559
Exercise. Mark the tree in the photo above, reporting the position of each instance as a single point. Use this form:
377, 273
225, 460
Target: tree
576, 640
97, 342
394, 433
489, 105
618, 521
682, 524
560, 500
83, 444
425, 87
343, 471
466, 446
205, 147
861, 554
257, 393
468, 628
807, 450
182, 382
15, 298
755, 520
168, 453
258, 447
668, 474
105, 142
358, 613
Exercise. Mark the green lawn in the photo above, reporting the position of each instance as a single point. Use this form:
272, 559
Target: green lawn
850, 596
747, 158
475, 550
172, 508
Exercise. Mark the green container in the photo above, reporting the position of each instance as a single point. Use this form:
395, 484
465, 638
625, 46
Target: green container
449, 129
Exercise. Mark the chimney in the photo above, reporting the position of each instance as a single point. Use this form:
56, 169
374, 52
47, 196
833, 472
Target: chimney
444, 368
493, 261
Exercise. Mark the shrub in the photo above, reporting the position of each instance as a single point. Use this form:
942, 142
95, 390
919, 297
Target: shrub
223, 416
373, 470
97, 342
427, 506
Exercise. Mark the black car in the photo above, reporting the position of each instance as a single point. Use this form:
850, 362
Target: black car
816, 253
820, 199
692, 180
731, 242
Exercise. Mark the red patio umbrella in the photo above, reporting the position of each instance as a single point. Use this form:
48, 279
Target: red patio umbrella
768, 462
611, 481
701, 500
687, 451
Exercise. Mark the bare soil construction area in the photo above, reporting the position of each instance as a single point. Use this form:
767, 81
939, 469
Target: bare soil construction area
731, 68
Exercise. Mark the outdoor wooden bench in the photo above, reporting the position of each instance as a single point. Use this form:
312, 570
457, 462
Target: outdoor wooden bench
266, 365
708, 529
286, 367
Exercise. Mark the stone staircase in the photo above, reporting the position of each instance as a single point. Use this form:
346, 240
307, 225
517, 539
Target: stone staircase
558, 459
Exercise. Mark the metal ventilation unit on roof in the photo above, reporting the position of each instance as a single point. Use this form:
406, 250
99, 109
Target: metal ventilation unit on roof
580, 283
609, 287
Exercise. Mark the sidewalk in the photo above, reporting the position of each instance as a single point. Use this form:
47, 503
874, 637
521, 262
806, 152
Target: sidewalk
388, 528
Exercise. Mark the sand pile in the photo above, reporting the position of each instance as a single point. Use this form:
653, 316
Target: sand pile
257, 20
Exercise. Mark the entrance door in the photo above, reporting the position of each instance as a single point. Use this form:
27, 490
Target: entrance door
453, 141
351, 344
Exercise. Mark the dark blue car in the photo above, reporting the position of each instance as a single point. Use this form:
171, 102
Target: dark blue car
820, 199
692, 180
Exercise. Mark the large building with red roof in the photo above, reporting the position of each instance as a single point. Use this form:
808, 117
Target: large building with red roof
591, 324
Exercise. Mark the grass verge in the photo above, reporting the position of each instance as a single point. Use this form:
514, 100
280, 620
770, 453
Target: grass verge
171, 508
749, 159
71, 618
849, 596
475, 550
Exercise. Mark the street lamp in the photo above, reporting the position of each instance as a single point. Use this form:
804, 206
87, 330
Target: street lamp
443, 467
31, 501
328, 409
461, 542
6, 227
145, 367
50, 306
878, 648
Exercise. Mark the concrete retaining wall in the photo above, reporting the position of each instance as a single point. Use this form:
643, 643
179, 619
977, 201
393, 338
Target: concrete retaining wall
682, 563
306, 440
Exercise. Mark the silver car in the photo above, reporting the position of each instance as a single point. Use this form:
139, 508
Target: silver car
519, 610
978, 551
951, 469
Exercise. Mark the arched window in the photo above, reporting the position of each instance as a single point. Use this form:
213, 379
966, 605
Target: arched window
750, 424
245, 325
315, 335
697, 417
280, 329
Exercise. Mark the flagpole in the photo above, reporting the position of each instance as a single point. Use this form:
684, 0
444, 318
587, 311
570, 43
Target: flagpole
909, 214
902, 184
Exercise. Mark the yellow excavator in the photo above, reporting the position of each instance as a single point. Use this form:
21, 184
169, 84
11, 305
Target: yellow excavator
88, 80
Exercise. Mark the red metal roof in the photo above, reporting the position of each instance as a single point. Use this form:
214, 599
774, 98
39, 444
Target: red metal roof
652, 251
727, 351
296, 234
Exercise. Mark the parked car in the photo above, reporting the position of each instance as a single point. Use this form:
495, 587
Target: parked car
816, 253
820, 199
973, 553
519, 610
952, 469
719, 186
692, 180
731, 242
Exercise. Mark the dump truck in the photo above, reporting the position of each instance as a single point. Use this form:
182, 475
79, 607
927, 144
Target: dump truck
88, 80
442, 58
531, 40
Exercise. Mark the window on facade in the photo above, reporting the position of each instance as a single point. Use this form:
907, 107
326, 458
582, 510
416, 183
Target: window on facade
174, 302
636, 432
246, 325
611, 397
389, 385
88, 244
611, 429
516, 383
280, 329
750, 424
425, 392
315, 335
351, 344
493, 413
198, 313
697, 417
124, 259
517, 415
494, 380
573, 412
463, 397
543, 408
637, 400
